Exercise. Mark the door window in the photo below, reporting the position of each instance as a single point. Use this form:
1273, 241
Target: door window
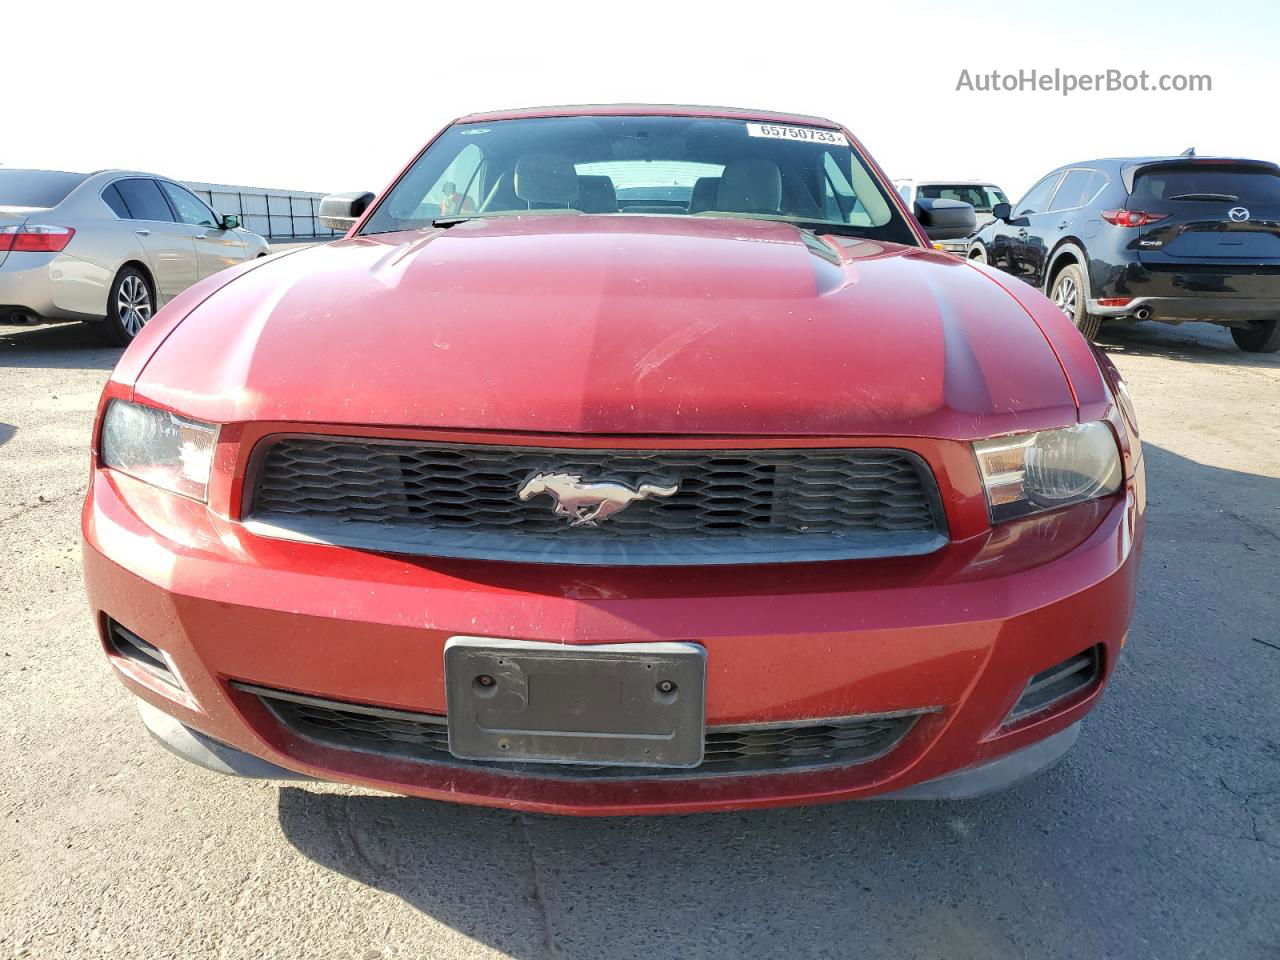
143, 200
982, 198
1037, 198
111, 196
190, 209
1077, 189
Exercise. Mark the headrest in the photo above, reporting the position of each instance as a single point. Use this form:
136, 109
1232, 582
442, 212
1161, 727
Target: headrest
705, 190
596, 195
546, 178
750, 186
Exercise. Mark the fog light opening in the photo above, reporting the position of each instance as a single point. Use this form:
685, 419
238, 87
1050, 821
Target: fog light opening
1058, 683
129, 646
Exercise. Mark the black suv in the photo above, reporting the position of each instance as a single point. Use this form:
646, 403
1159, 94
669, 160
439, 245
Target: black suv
1150, 238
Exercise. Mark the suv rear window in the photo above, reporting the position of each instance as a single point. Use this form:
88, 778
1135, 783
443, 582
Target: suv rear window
37, 188
1205, 181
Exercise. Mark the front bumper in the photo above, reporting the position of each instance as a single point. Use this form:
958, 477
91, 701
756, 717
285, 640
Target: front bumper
961, 630
987, 777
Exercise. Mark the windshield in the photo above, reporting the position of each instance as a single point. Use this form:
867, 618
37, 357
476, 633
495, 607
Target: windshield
36, 188
629, 165
981, 196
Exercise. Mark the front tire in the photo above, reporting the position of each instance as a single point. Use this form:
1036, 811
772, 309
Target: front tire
978, 254
129, 308
1261, 336
1071, 297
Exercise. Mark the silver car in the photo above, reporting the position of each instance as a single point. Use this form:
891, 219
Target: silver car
109, 247
982, 195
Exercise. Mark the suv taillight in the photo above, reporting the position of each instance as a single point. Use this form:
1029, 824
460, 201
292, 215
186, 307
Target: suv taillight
1131, 218
35, 238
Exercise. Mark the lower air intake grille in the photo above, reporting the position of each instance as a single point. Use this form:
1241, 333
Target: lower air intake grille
1059, 682
728, 750
728, 506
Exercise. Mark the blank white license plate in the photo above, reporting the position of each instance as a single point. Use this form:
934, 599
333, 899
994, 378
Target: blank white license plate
630, 704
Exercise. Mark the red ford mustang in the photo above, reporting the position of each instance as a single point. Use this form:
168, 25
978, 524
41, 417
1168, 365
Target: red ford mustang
618, 460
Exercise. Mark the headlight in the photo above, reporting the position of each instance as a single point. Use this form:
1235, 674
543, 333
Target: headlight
161, 448
1031, 472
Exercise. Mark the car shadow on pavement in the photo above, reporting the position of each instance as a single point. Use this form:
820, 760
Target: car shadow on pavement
1188, 342
66, 345
1154, 835
800, 882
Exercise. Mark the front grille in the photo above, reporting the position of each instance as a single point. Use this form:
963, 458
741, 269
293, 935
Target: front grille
1057, 683
727, 750
732, 506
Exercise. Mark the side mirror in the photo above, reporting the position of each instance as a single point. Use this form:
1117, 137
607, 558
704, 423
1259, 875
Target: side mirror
946, 219
340, 211
1002, 211
230, 222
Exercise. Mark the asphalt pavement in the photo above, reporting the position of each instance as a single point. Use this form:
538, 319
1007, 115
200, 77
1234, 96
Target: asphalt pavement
1157, 837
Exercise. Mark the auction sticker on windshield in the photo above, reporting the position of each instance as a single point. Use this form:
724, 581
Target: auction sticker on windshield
807, 134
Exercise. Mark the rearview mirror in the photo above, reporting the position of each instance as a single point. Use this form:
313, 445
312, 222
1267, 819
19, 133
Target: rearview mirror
340, 211
946, 219
230, 222
1002, 211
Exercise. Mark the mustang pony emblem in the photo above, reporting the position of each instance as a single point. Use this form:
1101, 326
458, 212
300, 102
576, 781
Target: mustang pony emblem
589, 502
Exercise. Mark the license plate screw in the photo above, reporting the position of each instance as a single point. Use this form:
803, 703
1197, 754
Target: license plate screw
666, 686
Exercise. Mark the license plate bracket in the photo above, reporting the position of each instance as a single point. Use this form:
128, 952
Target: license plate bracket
627, 704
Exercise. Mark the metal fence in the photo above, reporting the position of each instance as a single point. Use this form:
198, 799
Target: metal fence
275, 214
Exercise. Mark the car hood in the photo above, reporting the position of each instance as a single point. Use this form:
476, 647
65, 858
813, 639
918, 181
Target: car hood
616, 325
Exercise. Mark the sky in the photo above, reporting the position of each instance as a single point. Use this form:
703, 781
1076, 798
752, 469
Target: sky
339, 96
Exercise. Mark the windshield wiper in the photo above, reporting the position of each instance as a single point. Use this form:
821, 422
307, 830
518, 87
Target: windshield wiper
1226, 197
838, 229
444, 223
